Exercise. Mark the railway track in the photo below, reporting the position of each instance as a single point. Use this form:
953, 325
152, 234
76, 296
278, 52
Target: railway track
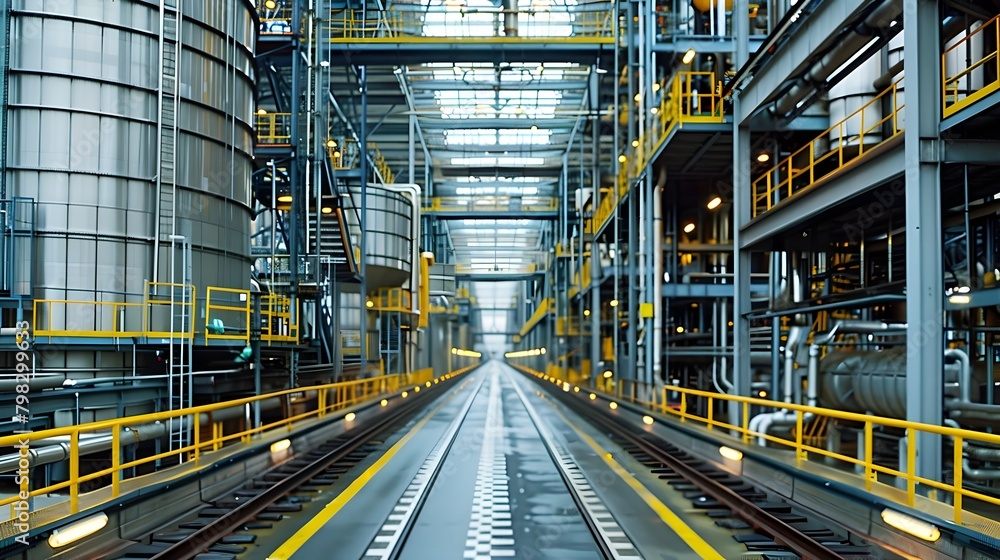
269, 497
780, 531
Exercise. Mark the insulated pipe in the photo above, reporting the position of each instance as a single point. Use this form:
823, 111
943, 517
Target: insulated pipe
44, 452
849, 46
661, 181
37, 383
795, 336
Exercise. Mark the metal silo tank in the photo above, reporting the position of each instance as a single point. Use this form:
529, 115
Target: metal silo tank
388, 236
83, 141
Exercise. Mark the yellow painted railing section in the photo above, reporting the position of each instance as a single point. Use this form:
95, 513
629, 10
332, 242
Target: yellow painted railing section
961, 78
544, 307
460, 23
227, 305
329, 398
489, 204
273, 128
146, 319
804, 415
850, 139
581, 284
681, 102
392, 299
276, 319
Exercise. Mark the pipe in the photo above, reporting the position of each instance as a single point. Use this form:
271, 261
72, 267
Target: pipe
36, 383
48, 451
852, 43
887, 79
795, 336
661, 181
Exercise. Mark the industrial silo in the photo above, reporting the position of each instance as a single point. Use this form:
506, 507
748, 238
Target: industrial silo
128, 124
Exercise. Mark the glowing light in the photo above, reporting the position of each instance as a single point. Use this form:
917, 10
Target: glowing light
613, 405
680, 330
566, 387
647, 420
635, 143
576, 389
762, 394
78, 530
593, 396
326, 210
763, 157
586, 313
349, 417
730, 453
688, 56
262, 111
285, 198
331, 143
416, 389
428, 384
714, 203
270, 4
959, 299
622, 158
911, 525
689, 227
369, 304
384, 402
614, 303
279, 446
608, 374
405, 394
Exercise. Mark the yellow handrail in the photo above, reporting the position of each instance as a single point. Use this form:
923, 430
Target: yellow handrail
96, 314
273, 128
215, 310
155, 300
629, 389
806, 166
393, 299
276, 320
957, 87
460, 23
329, 397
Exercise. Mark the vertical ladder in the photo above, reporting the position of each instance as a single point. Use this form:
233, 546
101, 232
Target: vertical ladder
167, 119
180, 366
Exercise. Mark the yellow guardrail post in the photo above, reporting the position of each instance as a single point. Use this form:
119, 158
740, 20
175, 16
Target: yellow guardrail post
911, 466
74, 471
957, 490
711, 413
684, 406
799, 454
116, 460
870, 475
746, 423
196, 428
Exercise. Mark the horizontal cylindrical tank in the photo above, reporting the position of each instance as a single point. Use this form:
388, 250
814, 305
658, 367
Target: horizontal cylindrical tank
387, 236
870, 381
84, 142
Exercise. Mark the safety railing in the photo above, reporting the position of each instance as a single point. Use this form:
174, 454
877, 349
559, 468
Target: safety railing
392, 300
276, 320
581, 279
458, 22
850, 139
227, 314
165, 303
326, 398
571, 326
967, 76
491, 204
276, 20
86, 319
512, 269
273, 128
690, 97
678, 402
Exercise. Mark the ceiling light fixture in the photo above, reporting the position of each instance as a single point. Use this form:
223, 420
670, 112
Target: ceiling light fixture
689, 227
763, 157
688, 56
714, 203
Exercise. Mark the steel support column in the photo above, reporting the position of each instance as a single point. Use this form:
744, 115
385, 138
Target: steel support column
924, 288
741, 215
363, 170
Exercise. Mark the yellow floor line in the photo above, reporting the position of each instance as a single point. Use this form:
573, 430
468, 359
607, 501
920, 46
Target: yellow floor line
693, 539
289, 547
